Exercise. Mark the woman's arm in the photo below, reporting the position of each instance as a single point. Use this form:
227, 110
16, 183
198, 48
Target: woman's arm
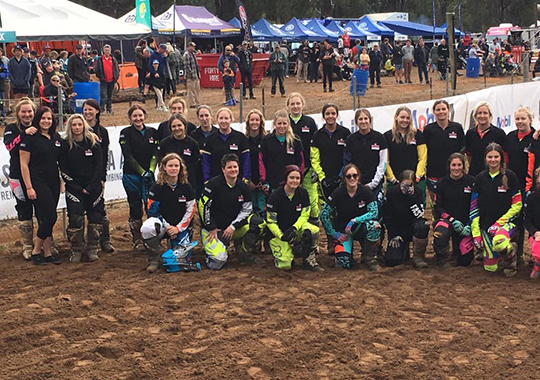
381, 168
25, 171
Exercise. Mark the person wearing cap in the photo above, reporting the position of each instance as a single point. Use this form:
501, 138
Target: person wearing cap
228, 55
246, 69
107, 70
44, 76
192, 75
78, 66
4, 73
45, 55
278, 67
156, 79
302, 62
156, 56
19, 73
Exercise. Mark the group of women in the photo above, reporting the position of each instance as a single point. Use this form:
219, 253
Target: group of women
278, 186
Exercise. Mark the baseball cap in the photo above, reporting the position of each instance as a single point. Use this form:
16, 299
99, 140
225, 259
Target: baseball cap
17, 47
191, 44
46, 47
26, 50
244, 43
162, 46
155, 62
79, 46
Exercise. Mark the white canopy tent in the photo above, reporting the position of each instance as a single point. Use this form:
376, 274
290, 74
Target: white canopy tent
129, 18
54, 20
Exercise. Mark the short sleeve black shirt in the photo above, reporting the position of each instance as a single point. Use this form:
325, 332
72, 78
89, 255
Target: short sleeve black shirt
347, 207
172, 202
364, 151
288, 210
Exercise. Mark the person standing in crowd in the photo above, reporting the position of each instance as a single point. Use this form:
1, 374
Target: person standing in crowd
532, 224
287, 219
192, 75
305, 127
434, 57
78, 66
107, 70
19, 73
255, 131
452, 202
279, 149
375, 60
91, 113
141, 62
183, 145
421, 57
175, 105
228, 55
495, 204
480, 135
406, 149
367, 149
397, 60
204, 114
350, 214
346, 43
171, 70
155, 78
226, 214
13, 135
355, 51
39, 154
278, 68
363, 60
171, 206
518, 144
302, 62
81, 165
403, 214
408, 58
4, 74
34, 72
443, 52
443, 137
327, 58
225, 140
386, 49
246, 69
228, 80
340, 45
139, 144
314, 61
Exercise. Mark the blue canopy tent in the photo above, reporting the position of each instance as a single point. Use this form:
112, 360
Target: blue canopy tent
262, 30
335, 27
354, 32
317, 27
300, 32
367, 25
457, 32
413, 29
235, 22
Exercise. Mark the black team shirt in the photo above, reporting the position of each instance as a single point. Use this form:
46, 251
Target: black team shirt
44, 156
347, 207
453, 197
476, 146
364, 152
82, 165
187, 149
304, 128
441, 143
276, 155
138, 148
331, 147
288, 210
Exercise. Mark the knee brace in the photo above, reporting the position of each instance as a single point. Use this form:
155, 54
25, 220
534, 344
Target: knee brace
441, 234
372, 230
421, 228
152, 227
76, 221
501, 242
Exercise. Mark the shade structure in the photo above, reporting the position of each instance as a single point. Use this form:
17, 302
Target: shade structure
317, 27
367, 25
57, 20
129, 18
194, 21
262, 30
354, 32
299, 32
335, 27
413, 28
235, 22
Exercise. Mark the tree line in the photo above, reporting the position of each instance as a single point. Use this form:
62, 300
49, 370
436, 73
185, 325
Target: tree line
474, 15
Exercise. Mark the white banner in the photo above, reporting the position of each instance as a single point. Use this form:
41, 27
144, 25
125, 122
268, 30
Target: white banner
503, 99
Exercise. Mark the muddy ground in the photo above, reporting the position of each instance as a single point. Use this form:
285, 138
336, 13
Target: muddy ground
112, 320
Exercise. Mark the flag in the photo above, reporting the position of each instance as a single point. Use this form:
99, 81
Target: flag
434, 22
246, 28
142, 13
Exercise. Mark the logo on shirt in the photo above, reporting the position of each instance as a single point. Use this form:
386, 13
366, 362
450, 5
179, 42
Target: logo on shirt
233, 147
57, 144
305, 129
240, 198
290, 150
88, 152
467, 189
151, 140
501, 189
187, 152
413, 142
361, 204
452, 135
181, 199
299, 208
341, 142
375, 146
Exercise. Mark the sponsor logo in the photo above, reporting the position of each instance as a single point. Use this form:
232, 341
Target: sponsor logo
289, 27
504, 122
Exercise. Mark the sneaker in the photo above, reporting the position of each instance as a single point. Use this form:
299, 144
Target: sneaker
252, 97
159, 109
372, 86
331, 90
165, 109
421, 83
53, 259
379, 86
324, 89
400, 82
38, 259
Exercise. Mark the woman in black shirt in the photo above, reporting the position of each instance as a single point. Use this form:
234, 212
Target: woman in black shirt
81, 165
255, 131
39, 168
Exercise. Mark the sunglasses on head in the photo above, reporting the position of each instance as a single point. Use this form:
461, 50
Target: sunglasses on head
351, 176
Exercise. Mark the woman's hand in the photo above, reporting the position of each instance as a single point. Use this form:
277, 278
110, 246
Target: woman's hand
537, 236
172, 231
213, 235
31, 194
228, 233
251, 185
30, 131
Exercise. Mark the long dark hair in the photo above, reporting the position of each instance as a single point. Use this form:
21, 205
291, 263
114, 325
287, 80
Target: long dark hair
37, 118
497, 148
95, 105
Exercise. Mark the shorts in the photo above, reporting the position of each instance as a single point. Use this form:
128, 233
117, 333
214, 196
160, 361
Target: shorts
399, 66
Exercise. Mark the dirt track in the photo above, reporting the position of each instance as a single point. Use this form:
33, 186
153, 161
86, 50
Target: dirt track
111, 320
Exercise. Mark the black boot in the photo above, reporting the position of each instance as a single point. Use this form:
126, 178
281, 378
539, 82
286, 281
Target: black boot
153, 250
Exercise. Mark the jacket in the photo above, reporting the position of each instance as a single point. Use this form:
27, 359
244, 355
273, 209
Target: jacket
278, 66
98, 69
246, 60
78, 69
233, 60
421, 54
191, 66
19, 73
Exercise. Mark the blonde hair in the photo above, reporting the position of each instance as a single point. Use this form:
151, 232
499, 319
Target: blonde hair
262, 129
178, 99
410, 133
526, 111
482, 104
227, 110
87, 134
289, 134
182, 173
295, 95
23, 102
